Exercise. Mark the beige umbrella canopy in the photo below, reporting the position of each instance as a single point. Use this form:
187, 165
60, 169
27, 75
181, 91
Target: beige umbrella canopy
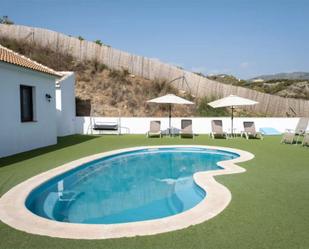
232, 101
170, 99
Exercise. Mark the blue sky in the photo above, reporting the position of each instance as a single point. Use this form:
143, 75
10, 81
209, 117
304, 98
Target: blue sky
241, 37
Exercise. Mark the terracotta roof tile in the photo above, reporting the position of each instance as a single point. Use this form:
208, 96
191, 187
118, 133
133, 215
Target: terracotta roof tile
9, 56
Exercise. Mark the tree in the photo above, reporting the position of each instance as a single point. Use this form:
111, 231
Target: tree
6, 20
80, 38
98, 42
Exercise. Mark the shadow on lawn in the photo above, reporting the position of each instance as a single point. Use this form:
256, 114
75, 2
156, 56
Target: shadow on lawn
61, 143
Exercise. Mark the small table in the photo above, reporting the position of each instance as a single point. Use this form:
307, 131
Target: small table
171, 132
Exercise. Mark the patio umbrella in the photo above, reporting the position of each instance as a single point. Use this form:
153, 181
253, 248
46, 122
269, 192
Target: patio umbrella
232, 101
170, 99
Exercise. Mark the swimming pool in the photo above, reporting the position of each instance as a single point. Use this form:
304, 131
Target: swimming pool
145, 190
131, 186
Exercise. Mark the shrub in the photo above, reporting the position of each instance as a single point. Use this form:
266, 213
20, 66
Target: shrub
101, 67
125, 72
116, 74
161, 87
120, 76
203, 109
98, 42
199, 74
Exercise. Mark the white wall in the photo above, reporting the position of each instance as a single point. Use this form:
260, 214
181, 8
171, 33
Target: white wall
134, 125
16, 136
65, 104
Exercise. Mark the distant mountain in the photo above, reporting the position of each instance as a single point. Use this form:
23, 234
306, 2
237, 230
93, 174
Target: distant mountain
292, 85
287, 76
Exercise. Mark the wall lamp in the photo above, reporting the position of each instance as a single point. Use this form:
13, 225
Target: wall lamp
48, 97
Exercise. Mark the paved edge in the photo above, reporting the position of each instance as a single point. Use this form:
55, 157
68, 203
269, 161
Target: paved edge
14, 213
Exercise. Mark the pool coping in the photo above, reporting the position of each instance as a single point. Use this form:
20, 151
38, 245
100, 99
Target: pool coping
14, 213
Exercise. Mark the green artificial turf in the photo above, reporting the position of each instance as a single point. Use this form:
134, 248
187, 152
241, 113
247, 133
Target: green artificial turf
269, 207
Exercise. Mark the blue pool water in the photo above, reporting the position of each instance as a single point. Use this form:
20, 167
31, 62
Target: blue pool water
132, 186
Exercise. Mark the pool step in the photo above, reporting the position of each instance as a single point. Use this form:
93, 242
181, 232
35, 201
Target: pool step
187, 192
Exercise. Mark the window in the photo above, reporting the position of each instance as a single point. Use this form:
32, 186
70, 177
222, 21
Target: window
26, 103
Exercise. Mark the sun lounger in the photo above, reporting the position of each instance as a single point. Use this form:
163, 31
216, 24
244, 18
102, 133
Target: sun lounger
155, 129
288, 138
306, 140
301, 126
300, 129
250, 131
217, 129
186, 128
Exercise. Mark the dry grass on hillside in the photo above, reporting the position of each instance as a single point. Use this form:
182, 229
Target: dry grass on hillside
101, 91
116, 92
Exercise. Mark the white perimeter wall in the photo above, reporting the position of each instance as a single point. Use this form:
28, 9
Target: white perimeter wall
16, 136
133, 125
65, 104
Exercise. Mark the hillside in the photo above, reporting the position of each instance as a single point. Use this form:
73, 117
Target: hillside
101, 91
291, 85
286, 76
83, 52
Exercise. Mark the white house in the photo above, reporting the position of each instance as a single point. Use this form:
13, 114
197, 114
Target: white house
65, 104
27, 104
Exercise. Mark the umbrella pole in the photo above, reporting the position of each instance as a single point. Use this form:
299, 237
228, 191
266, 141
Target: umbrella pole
232, 120
170, 118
